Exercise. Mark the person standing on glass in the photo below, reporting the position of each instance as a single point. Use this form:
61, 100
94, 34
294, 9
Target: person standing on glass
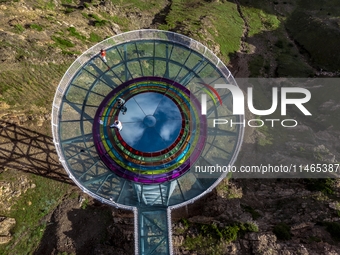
117, 124
103, 55
121, 106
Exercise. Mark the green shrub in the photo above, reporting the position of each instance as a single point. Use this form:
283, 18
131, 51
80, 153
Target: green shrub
282, 231
198, 242
76, 34
85, 204
122, 21
71, 53
68, 10
19, 28
251, 227
94, 37
95, 16
254, 214
50, 5
85, 15
36, 27
323, 185
334, 229
62, 42
229, 233
185, 222
98, 21
209, 236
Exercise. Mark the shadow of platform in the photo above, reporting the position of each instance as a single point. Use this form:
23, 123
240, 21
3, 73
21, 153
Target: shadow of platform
29, 151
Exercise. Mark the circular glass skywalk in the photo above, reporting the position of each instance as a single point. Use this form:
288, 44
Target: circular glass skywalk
168, 137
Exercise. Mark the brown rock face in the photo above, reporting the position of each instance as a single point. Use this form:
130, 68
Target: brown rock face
6, 224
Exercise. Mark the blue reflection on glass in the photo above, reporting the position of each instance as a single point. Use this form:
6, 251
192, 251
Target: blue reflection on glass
152, 122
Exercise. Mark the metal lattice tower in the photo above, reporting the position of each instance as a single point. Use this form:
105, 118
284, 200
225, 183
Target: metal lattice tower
148, 166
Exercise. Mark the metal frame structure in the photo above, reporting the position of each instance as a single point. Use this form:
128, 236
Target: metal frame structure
89, 80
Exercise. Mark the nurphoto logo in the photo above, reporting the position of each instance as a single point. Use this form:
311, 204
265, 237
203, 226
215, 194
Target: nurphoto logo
239, 101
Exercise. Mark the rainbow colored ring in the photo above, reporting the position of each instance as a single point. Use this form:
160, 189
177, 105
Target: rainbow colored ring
156, 166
